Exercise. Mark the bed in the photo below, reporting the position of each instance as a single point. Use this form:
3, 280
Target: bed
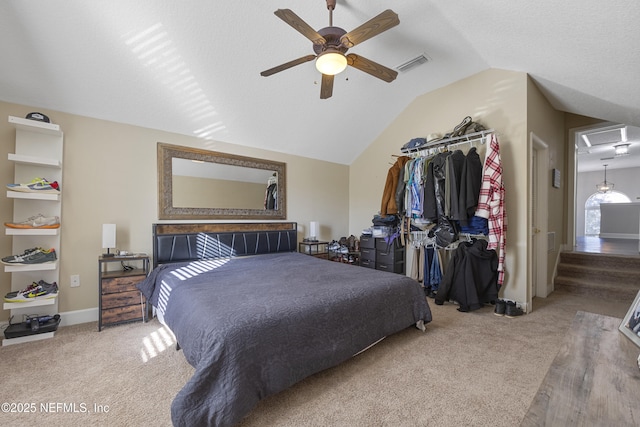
254, 317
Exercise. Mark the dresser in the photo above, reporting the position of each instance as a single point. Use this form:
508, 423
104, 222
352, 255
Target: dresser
376, 253
120, 301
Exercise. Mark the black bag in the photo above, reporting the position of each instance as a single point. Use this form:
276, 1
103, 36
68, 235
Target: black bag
446, 231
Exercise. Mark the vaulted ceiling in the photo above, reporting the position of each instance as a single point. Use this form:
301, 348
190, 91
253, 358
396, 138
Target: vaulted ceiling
193, 67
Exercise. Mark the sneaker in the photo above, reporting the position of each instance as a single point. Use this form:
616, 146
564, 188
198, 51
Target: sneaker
38, 185
38, 221
31, 256
500, 307
33, 292
512, 310
462, 127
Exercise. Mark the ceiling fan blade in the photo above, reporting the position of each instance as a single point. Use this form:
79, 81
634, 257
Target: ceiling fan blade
299, 25
370, 67
373, 27
326, 90
287, 65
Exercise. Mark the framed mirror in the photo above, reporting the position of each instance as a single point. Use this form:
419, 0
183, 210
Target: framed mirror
201, 184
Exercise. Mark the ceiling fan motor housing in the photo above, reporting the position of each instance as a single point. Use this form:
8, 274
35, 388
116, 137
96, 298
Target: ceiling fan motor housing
332, 36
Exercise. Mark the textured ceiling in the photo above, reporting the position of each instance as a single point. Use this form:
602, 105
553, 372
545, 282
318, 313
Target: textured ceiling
193, 67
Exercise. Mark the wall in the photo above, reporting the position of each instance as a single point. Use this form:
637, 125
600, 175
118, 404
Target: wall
110, 176
495, 98
548, 125
625, 181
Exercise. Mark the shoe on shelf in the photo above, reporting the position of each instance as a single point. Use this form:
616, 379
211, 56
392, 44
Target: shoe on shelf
501, 306
462, 127
33, 292
37, 221
512, 310
31, 256
38, 185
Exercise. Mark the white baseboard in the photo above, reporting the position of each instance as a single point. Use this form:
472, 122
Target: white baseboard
79, 316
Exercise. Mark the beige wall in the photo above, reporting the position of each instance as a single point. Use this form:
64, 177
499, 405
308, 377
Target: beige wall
110, 176
495, 98
548, 125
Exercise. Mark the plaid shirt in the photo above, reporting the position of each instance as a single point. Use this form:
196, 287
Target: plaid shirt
491, 203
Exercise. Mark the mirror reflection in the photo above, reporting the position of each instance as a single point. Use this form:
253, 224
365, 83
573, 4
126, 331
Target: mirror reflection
227, 186
203, 184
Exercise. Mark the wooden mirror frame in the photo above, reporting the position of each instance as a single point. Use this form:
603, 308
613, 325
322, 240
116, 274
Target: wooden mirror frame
166, 210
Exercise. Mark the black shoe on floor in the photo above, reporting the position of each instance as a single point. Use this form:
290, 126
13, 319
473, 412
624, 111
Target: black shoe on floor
500, 308
512, 310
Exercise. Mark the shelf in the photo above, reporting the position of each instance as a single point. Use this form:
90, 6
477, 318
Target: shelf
32, 231
35, 126
467, 138
36, 303
28, 338
32, 196
31, 267
37, 161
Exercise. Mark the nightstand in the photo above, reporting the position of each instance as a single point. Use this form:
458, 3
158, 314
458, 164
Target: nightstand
119, 299
317, 249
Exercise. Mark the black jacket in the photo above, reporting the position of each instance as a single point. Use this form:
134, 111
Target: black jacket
470, 277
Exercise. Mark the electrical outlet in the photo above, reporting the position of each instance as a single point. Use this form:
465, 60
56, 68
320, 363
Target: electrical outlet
75, 280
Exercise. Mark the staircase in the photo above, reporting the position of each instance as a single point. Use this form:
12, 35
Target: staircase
612, 277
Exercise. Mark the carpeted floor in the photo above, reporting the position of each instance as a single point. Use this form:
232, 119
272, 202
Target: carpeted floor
467, 369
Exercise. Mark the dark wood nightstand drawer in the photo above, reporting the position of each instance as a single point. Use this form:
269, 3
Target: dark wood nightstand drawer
121, 284
120, 299
123, 314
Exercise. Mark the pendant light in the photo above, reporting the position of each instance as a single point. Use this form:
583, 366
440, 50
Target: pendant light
604, 186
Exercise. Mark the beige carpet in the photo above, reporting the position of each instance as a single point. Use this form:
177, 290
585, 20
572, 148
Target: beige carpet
468, 369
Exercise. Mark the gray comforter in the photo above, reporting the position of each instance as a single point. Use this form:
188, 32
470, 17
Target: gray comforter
254, 326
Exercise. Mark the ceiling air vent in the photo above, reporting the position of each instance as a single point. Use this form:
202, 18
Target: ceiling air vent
414, 62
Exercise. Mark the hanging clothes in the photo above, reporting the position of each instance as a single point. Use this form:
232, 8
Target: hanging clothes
455, 164
271, 193
491, 203
389, 205
469, 192
435, 273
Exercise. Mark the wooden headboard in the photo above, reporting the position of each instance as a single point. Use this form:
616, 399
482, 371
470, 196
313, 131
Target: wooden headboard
194, 241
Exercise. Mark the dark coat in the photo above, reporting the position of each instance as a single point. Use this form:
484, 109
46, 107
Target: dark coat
470, 277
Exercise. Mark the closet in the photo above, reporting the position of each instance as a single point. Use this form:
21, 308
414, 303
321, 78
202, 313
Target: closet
452, 203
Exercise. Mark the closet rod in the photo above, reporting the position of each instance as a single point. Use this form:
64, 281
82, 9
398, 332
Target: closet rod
471, 137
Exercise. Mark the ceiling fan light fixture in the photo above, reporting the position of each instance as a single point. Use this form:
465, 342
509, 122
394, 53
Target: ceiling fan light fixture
331, 62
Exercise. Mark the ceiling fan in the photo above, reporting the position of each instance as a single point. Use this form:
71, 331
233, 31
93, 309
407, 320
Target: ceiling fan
331, 44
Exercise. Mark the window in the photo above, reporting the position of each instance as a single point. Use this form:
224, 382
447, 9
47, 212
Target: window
592, 209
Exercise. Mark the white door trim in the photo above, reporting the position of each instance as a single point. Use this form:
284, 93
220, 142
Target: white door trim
541, 179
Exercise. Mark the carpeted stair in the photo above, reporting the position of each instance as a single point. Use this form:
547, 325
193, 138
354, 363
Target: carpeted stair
612, 277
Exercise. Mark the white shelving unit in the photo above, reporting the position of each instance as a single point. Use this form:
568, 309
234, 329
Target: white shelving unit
38, 154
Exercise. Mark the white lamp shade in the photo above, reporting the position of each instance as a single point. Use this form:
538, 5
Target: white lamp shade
108, 236
314, 228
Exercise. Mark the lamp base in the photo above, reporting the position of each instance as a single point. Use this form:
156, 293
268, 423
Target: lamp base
108, 255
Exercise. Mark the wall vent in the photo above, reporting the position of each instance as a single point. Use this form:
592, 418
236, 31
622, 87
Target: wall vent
414, 62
